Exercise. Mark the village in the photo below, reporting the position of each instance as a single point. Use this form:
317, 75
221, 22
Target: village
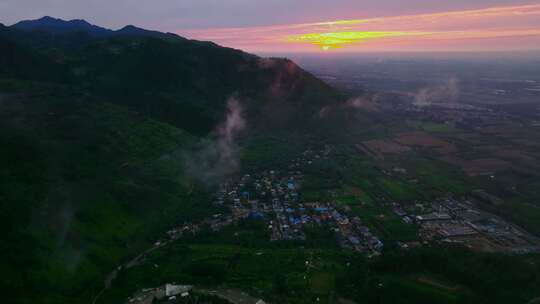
274, 197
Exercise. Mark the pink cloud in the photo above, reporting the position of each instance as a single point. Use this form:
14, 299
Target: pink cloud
501, 28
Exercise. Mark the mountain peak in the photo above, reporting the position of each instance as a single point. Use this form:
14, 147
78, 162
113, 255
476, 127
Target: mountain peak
47, 18
130, 27
132, 30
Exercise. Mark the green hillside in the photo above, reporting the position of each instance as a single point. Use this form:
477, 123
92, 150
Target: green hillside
84, 185
91, 166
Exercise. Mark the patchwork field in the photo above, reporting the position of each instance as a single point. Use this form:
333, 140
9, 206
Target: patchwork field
423, 140
482, 166
380, 147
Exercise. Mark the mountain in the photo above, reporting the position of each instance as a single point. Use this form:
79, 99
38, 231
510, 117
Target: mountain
51, 33
181, 81
59, 26
104, 136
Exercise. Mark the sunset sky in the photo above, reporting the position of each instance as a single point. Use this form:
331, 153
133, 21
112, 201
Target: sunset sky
312, 25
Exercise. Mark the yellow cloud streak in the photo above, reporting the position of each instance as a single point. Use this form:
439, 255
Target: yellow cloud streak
327, 41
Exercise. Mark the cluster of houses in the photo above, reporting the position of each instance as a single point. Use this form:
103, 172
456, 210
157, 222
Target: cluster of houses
354, 235
274, 197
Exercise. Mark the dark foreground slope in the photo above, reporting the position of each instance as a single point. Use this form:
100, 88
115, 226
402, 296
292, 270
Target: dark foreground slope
95, 130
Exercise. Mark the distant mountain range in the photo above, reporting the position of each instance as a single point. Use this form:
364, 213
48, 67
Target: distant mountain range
59, 26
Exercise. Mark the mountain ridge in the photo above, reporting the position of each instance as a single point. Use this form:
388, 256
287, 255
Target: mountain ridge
60, 26
57, 25
175, 68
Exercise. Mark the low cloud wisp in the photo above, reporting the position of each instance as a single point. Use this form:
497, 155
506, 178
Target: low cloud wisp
215, 158
444, 93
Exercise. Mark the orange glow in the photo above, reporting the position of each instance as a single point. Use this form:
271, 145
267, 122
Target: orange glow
333, 40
